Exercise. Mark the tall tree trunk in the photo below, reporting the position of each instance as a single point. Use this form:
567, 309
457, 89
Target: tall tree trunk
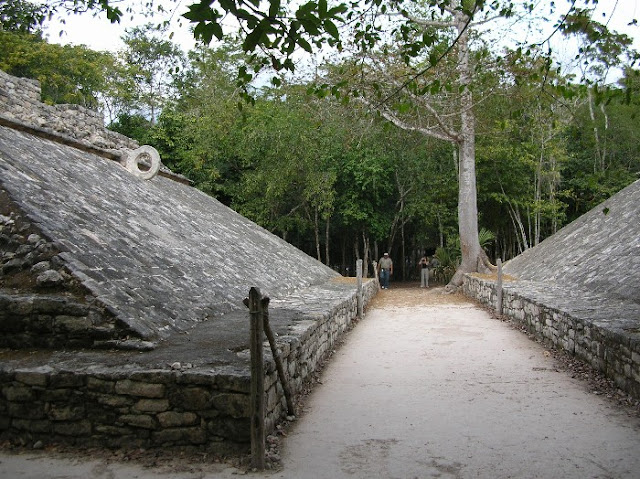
473, 257
356, 252
326, 241
440, 230
599, 160
404, 272
376, 250
365, 256
537, 196
344, 256
316, 231
603, 155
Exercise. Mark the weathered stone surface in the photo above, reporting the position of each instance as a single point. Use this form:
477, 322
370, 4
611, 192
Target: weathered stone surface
236, 405
90, 201
100, 385
32, 425
579, 290
599, 252
113, 430
181, 435
75, 429
136, 388
49, 278
151, 405
26, 409
138, 420
34, 378
41, 267
192, 398
65, 412
152, 262
115, 401
20, 100
177, 419
235, 429
17, 393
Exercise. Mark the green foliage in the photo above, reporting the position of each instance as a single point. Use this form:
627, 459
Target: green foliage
450, 255
20, 16
297, 163
270, 35
153, 65
67, 74
134, 126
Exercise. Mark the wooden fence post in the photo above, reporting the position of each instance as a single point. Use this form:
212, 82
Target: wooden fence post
257, 379
499, 288
359, 294
276, 357
375, 273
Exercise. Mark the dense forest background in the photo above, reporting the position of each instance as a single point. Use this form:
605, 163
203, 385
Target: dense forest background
336, 180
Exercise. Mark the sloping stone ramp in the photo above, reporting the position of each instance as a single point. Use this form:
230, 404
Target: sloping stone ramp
121, 313
579, 290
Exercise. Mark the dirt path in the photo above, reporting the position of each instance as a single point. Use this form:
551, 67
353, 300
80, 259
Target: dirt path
427, 385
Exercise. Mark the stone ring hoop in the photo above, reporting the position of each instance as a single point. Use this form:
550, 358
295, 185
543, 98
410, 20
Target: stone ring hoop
143, 162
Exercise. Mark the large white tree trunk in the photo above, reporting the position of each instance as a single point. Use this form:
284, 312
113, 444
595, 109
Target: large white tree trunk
473, 257
467, 194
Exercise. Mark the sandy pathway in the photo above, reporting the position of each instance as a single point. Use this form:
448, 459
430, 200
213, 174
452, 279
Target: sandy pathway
431, 386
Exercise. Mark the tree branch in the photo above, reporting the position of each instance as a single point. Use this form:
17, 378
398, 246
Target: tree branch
388, 115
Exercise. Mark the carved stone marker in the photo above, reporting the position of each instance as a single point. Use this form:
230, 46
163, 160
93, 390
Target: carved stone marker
147, 157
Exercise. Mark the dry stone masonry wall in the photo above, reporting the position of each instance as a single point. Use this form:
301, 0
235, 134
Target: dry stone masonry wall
20, 102
206, 408
125, 408
601, 331
41, 304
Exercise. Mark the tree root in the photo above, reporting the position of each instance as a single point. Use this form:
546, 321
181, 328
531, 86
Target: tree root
483, 265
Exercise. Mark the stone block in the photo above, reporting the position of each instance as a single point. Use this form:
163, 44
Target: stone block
112, 430
191, 398
30, 425
75, 429
20, 307
271, 401
100, 385
66, 380
66, 413
155, 376
72, 324
234, 405
151, 405
34, 378
238, 430
138, 420
199, 378
115, 401
177, 419
140, 389
18, 393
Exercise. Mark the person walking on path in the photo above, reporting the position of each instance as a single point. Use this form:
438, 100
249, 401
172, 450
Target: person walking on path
385, 270
425, 265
